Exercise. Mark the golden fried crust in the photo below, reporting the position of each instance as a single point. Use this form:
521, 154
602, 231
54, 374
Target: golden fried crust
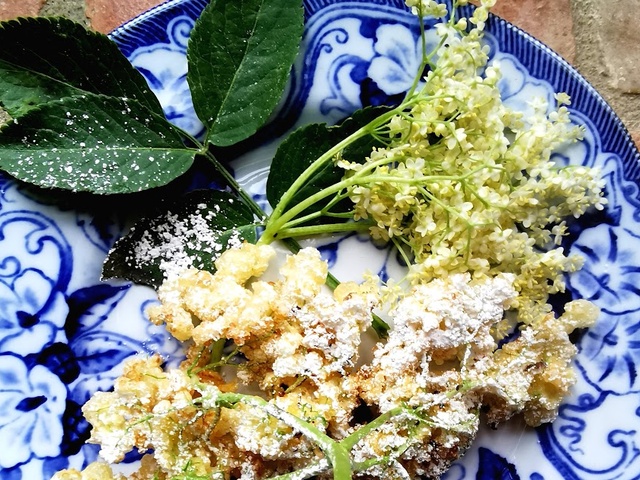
297, 346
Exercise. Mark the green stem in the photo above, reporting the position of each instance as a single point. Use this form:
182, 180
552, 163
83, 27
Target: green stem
301, 220
216, 351
343, 215
337, 455
203, 150
235, 186
276, 224
327, 157
350, 441
401, 250
424, 62
337, 198
288, 232
216, 359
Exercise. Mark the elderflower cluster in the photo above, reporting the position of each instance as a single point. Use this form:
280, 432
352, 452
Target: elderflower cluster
407, 409
468, 185
291, 328
427, 8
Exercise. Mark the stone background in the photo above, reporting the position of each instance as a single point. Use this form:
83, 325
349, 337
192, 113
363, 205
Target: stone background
598, 37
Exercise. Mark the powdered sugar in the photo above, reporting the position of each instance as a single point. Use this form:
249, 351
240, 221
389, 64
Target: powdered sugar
177, 242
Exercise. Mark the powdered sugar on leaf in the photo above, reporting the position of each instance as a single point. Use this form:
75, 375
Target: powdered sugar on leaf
192, 232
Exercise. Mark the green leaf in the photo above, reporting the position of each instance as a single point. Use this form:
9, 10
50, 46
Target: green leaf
94, 143
299, 150
240, 55
191, 232
305, 145
45, 59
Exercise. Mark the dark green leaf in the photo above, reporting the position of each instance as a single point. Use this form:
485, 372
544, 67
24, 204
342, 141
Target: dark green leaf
45, 59
240, 55
305, 145
192, 232
93, 143
299, 150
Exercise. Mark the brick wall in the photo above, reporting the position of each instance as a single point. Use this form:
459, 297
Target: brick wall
598, 37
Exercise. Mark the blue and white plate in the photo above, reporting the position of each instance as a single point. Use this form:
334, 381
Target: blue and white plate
64, 334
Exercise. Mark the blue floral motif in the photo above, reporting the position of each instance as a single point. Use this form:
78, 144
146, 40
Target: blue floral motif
610, 354
69, 372
584, 446
612, 272
33, 276
29, 321
397, 60
32, 403
57, 348
342, 252
165, 68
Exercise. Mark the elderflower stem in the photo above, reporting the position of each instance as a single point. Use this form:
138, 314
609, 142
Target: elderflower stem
224, 172
424, 62
275, 227
324, 229
337, 455
231, 181
326, 157
350, 441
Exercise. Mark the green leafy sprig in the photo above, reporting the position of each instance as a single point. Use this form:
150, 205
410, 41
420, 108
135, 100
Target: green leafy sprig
83, 119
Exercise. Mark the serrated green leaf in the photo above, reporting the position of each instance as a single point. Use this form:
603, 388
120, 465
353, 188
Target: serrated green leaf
94, 143
191, 232
45, 59
240, 55
305, 145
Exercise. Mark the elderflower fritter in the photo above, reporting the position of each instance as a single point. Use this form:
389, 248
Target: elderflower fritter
149, 409
421, 390
190, 295
532, 374
289, 330
441, 321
